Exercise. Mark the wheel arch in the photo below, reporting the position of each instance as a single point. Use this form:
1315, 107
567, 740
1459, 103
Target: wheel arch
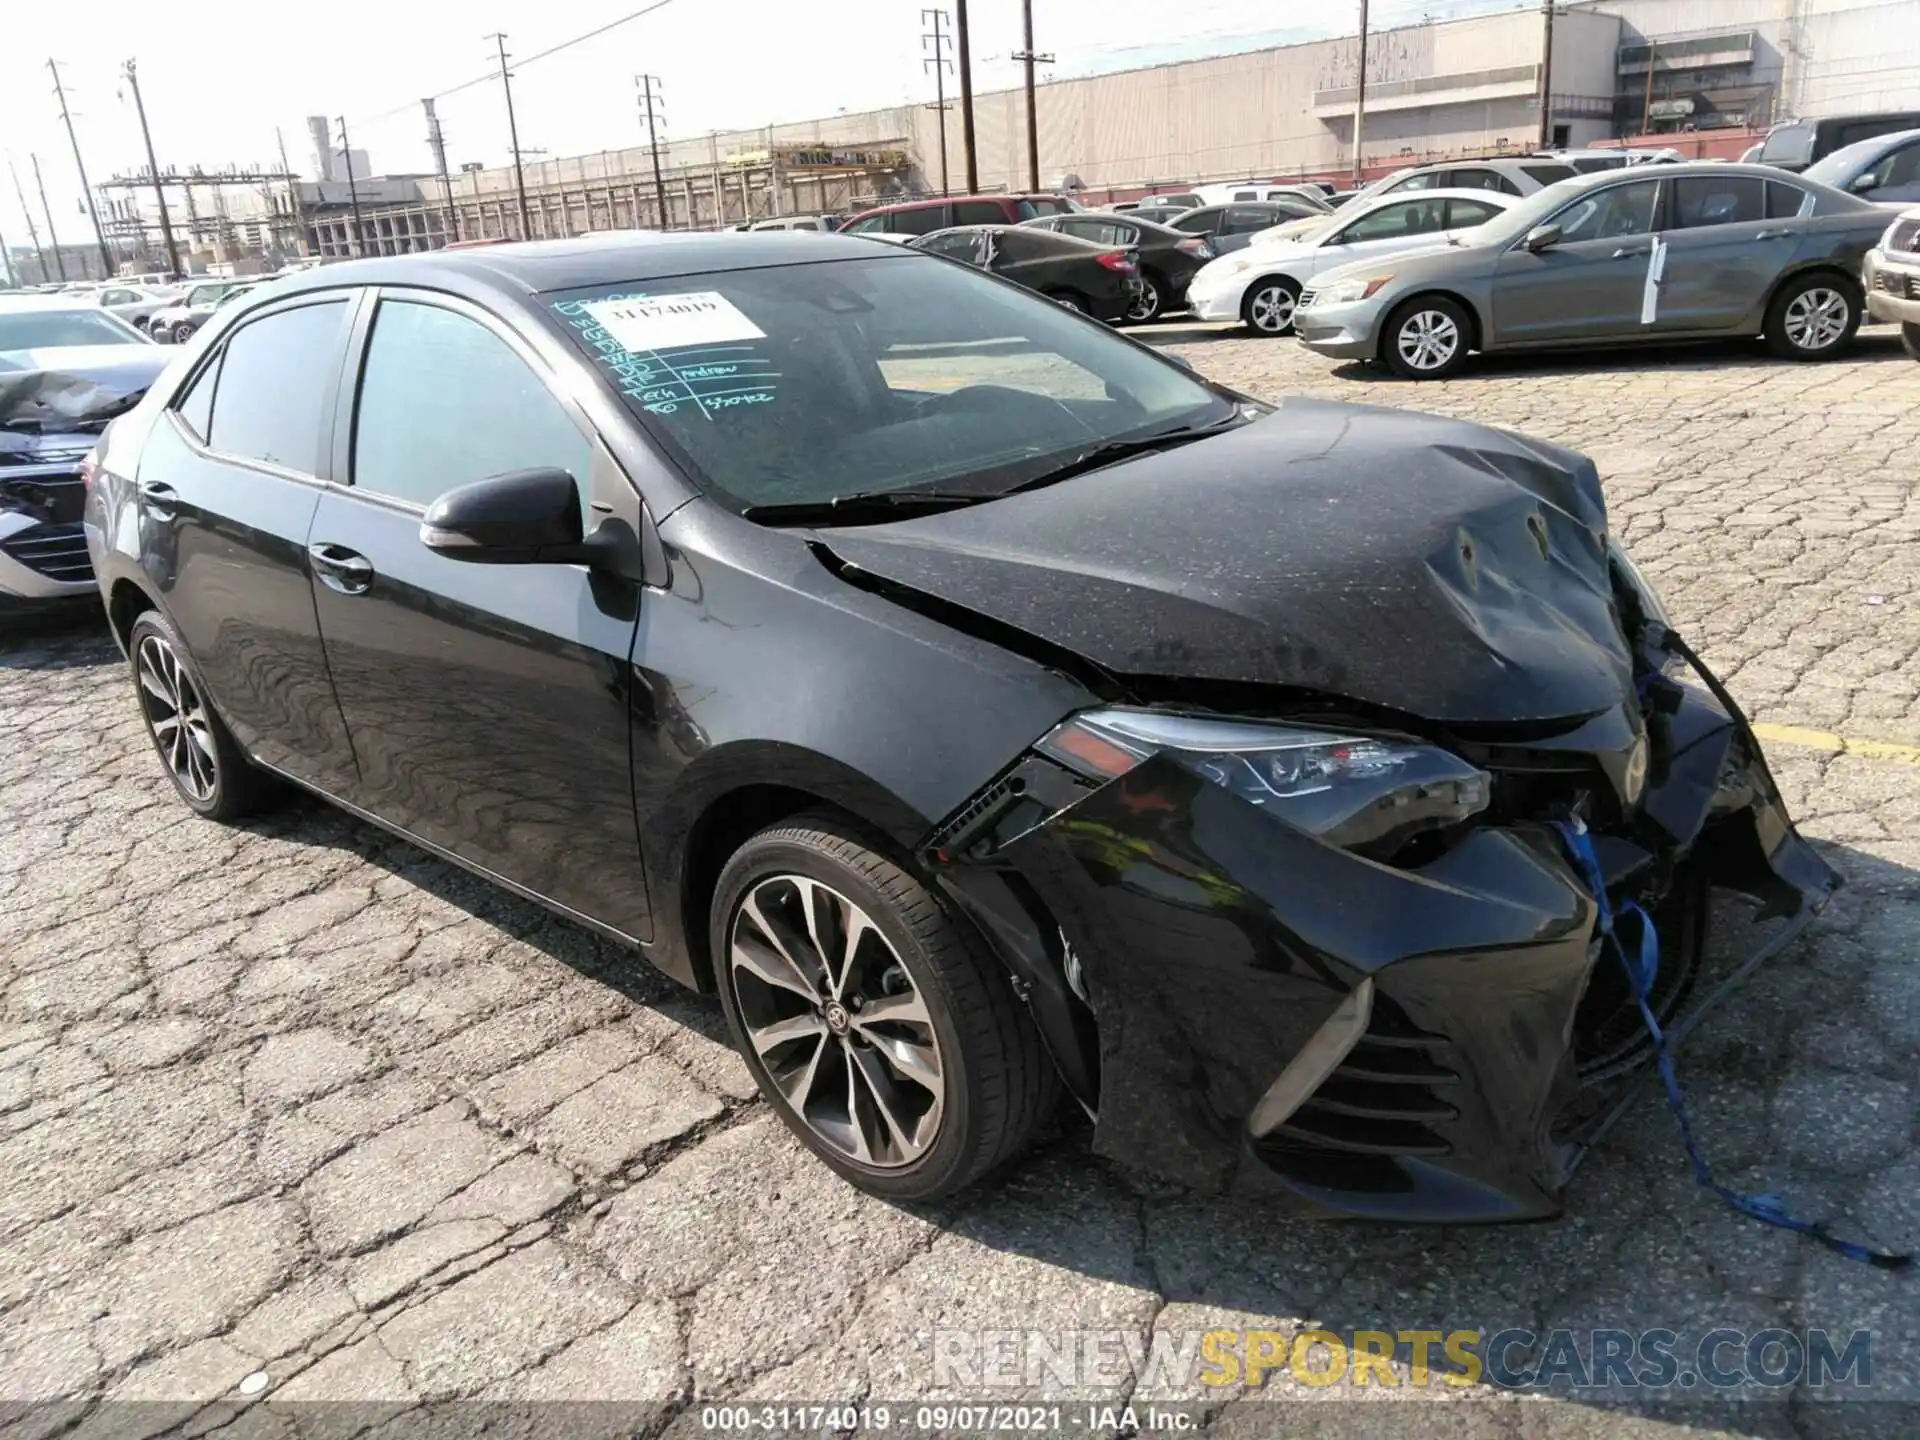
726, 796
1819, 265
126, 602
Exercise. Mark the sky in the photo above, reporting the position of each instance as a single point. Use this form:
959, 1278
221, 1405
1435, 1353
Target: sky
221, 76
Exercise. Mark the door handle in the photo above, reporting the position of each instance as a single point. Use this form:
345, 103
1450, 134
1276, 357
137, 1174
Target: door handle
339, 568
1625, 250
1773, 235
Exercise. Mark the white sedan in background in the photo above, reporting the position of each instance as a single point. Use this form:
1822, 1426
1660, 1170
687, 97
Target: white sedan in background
1261, 284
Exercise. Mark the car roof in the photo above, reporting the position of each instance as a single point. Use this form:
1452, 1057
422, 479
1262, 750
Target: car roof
609, 257
1438, 192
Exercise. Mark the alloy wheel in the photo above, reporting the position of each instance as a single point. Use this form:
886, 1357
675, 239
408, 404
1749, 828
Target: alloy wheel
182, 333
177, 718
836, 1021
1816, 318
1271, 308
1147, 306
1428, 339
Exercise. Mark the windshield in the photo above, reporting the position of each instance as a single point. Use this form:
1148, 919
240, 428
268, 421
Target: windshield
800, 384
1842, 165
59, 329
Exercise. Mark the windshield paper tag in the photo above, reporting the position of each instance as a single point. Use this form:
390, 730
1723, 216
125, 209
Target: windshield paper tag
669, 322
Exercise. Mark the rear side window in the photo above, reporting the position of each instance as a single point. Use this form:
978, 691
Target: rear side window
923, 220
1482, 179
1464, 213
1044, 206
1784, 201
445, 401
1248, 219
873, 224
1554, 174
978, 212
1198, 222
1700, 200
272, 391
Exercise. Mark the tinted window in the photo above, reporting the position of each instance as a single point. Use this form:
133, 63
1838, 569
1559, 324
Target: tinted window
1783, 200
273, 386
1896, 170
1245, 195
1858, 130
1619, 210
443, 401
196, 406
801, 382
1246, 219
1788, 145
978, 212
1101, 232
1198, 222
960, 245
1044, 206
1464, 213
1483, 179
921, 221
871, 225
1406, 217
1553, 174
1700, 200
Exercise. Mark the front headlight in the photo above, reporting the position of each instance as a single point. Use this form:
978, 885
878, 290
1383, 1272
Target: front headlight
1345, 292
1349, 790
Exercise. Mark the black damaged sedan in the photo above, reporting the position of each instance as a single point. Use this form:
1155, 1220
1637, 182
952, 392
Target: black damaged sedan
981, 704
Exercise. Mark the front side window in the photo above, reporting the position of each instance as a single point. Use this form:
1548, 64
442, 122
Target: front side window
1702, 200
1610, 214
1248, 219
1391, 222
1898, 168
1419, 180
1464, 214
1044, 205
923, 220
271, 399
792, 385
445, 401
873, 224
1198, 222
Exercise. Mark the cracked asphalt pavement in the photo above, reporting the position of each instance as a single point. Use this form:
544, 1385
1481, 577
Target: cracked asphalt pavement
294, 1111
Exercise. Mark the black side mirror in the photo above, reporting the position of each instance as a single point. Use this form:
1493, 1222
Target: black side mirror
1541, 237
524, 517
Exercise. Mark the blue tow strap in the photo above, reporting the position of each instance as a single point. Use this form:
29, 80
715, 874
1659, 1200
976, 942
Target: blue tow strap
1641, 962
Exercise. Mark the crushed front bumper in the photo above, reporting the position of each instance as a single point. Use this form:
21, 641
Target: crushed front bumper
1433, 1042
43, 553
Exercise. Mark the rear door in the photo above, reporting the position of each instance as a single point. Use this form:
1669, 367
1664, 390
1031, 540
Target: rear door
1724, 252
228, 484
488, 705
1592, 284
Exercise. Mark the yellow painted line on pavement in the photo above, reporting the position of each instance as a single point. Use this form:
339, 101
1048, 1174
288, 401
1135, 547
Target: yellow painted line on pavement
1838, 744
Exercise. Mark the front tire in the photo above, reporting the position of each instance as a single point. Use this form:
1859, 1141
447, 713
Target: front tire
205, 763
881, 1032
1813, 317
1426, 338
1269, 304
182, 333
1910, 337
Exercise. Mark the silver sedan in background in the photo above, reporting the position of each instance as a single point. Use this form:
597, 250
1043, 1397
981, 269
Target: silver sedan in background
1657, 253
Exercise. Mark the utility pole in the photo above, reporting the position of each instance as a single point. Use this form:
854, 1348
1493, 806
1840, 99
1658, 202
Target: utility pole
6, 264
940, 63
293, 195
437, 142
1646, 110
99, 235
353, 190
1029, 59
1546, 76
513, 135
153, 169
649, 103
53, 237
39, 255
1360, 104
966, 96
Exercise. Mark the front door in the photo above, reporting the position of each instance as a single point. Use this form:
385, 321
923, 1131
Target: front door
488, 704
1723, 251
1593, 282
227, 487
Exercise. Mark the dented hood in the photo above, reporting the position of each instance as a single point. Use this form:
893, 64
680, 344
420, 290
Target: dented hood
1426, 565
74, 389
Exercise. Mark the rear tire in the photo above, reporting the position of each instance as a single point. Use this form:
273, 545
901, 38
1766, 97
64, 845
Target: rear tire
1068, 300
1147, 308
917, 1105
182, 333
208, 769
1426, 338
1813, 317
1268, 306
1910, 337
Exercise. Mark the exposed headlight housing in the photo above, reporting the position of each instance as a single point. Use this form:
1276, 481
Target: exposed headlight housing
1651, 605
1345, 292
1354, 791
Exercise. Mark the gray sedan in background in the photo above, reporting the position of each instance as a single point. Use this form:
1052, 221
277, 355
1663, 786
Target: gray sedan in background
1674, 252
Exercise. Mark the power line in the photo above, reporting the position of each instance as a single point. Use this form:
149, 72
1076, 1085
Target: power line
541, 55
99, 235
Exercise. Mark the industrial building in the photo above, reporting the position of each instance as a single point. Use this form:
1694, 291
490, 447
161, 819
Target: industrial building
1706, 75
